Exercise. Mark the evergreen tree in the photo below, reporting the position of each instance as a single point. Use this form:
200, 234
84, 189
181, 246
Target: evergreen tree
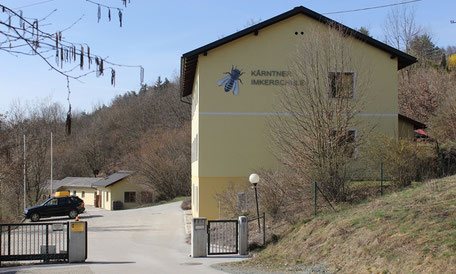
364, 31
165, 83
443, 63
423, 48
158, 84
143, 89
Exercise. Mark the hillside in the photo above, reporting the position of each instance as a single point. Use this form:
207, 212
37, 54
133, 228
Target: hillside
412, 231
147, 131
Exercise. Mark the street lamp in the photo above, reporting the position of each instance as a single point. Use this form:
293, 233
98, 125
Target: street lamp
254, 179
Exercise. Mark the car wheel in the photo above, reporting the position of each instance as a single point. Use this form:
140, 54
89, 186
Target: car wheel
35, 217
73, 213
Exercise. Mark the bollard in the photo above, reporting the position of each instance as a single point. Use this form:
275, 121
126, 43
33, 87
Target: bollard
199, 237
243, 236
77, 246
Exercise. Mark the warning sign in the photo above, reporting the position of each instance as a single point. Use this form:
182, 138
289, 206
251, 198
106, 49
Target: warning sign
77, 227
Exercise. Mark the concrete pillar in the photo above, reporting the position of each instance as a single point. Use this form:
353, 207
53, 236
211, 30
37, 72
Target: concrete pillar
243, 236
199, 237
77, 246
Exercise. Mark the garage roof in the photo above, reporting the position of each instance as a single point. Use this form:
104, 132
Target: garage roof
189, 60
113, 178
75, 182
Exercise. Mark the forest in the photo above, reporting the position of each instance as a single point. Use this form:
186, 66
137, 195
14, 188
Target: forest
147, 131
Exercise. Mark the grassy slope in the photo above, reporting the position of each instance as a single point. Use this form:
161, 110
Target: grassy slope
405, 232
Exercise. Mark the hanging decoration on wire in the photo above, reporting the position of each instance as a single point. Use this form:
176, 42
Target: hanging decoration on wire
120, 17
28, 32
99, 13
68, 118
113, 77
100, 6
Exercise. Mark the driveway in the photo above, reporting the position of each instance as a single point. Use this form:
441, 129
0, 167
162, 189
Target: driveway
145, 240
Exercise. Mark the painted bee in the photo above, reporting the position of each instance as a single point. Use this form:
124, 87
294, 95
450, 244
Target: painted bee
232, 80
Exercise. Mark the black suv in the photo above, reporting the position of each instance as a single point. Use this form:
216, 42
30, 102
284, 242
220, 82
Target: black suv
56, 206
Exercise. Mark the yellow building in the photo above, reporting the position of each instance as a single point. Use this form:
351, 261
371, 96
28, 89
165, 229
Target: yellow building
79, 186
229, 131
121, 188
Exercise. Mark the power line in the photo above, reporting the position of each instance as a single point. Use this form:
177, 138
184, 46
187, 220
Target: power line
34, 4
371, 8
101, 5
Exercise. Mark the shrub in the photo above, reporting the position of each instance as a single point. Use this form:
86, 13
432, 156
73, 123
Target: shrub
187, 204
282, 195
404, 160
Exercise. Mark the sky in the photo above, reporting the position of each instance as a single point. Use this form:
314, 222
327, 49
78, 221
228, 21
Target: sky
155, 34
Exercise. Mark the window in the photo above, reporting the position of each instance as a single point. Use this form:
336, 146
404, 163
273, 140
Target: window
242, 202
82, 194
107, 196
130, 197
64, 201
341, 84
52, 202
347, 141
74, 192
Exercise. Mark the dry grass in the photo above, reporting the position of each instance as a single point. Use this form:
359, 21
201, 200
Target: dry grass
411, 231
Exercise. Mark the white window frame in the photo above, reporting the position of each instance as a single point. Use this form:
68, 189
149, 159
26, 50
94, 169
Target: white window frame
342, 71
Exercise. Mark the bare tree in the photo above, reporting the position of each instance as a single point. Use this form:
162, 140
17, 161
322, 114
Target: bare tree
164, 161
318, 135
422, 91
20, 35
443, 122
400, 27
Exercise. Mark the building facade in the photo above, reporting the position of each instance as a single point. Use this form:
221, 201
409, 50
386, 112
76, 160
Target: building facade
120, 187
233, 84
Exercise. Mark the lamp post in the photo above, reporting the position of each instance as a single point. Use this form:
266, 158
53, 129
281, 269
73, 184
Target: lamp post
254, 179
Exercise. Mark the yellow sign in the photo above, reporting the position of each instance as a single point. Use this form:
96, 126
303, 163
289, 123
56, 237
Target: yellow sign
77, 227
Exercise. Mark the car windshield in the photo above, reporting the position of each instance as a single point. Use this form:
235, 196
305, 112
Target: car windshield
45, 202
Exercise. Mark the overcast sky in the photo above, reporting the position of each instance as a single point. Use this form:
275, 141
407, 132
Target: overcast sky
156, 33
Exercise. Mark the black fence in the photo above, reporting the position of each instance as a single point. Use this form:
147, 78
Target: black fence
260, 229
37, 241
222, 237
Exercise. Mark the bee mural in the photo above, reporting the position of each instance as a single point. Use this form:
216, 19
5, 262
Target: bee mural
232, 80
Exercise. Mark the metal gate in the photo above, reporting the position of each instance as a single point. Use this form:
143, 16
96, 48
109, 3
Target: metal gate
40, 241
222, 237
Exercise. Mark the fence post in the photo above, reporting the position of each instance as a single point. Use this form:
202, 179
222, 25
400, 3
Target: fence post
381, 179
199, 238
47, 244
77, 251
1, 237
264, 229
243, 236
9, 240
315, 198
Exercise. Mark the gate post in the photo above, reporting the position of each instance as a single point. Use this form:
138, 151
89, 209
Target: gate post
77, 245
243, 236
199, 237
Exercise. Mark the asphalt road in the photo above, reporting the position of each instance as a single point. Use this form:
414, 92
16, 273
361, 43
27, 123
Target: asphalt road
145, 240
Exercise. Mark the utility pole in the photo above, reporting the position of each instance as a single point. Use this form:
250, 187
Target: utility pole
25, 184
51, 164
